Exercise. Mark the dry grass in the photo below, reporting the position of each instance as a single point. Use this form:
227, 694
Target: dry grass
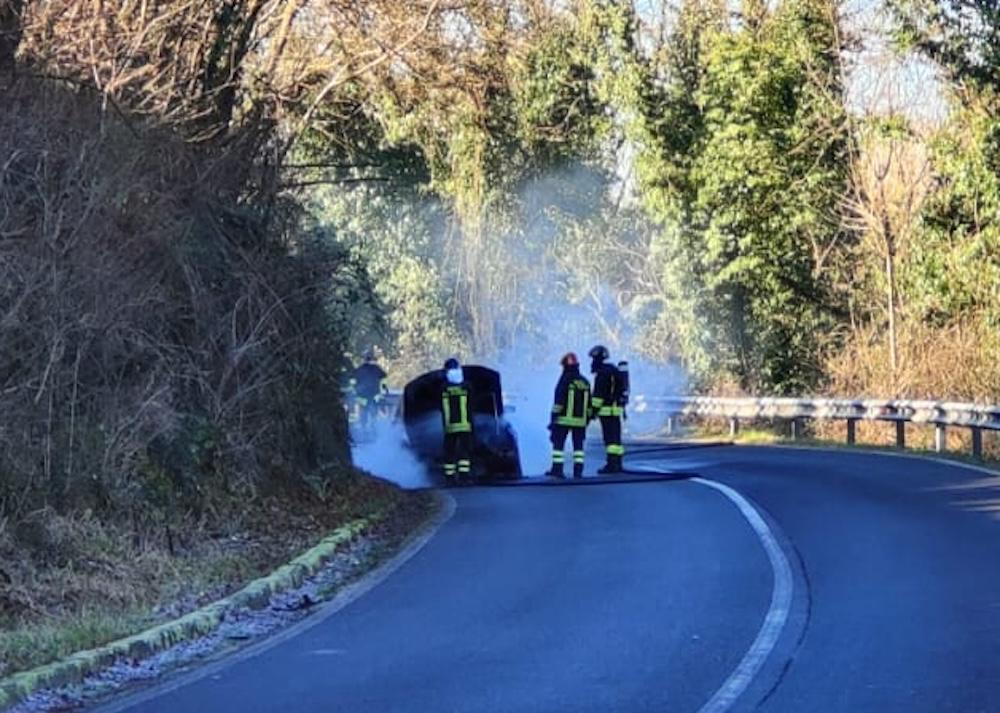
957, 362
169, 375
879, 436
69, 583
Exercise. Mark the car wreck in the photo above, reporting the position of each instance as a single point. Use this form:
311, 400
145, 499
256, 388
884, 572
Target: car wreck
495, 453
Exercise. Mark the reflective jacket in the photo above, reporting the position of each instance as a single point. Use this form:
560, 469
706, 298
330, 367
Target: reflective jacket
571, 407
455, 409
607, 391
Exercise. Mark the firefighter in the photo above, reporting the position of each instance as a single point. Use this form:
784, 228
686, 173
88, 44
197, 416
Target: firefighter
570, 414
606, 405
457, 420
368, 387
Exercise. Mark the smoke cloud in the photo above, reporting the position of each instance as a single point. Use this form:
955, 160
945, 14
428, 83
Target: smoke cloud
575, 269
386, 455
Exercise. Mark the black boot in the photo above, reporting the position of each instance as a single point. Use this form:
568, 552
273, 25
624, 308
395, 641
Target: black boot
614, 465
556, 471
578, 470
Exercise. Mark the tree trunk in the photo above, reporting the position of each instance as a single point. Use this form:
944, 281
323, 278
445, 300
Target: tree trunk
890, 273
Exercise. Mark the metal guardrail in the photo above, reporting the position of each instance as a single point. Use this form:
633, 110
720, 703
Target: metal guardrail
940, 414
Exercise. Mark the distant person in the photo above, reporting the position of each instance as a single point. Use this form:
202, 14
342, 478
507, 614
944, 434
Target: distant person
368, 386
606, 404
457, 421
570, 414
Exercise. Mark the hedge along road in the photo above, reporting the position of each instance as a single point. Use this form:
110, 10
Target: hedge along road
778, 580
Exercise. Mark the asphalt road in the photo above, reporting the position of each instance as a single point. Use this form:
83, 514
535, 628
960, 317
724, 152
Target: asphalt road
665, 596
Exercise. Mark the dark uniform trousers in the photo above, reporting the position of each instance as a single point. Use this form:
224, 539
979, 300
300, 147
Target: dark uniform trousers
458, 454
611, 429
559, 434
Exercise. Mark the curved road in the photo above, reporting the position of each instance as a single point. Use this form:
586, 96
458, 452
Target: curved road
880, 592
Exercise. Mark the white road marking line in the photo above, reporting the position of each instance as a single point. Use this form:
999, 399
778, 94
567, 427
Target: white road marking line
777, 613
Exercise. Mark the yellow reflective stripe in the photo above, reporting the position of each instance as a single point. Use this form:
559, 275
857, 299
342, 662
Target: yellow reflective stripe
586, 404
462, 423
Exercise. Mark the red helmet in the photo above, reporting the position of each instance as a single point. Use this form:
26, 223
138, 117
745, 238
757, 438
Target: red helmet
569, 359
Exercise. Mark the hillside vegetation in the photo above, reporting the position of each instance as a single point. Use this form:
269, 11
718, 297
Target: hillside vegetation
733, 188
209, 208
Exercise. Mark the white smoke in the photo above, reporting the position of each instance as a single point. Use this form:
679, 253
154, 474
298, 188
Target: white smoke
384, 453
563, 290
570, 307
529, 382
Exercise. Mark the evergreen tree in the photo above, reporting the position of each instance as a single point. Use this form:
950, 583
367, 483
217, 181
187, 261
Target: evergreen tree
753, 214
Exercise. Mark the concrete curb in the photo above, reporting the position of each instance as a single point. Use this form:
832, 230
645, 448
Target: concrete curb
256, 595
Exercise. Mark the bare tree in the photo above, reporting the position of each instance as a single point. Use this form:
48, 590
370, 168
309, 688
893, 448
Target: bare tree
891, 177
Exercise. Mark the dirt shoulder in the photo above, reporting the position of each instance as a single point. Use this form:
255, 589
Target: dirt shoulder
69, 584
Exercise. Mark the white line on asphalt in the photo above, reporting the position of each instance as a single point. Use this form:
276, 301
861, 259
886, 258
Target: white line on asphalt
777, 613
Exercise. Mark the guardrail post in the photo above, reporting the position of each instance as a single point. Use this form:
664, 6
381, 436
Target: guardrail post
900, 434
940, 440
851, 431
795, 429
670, 425
977, 442
734, 427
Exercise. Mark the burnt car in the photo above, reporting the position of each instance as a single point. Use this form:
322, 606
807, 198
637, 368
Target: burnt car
495, 455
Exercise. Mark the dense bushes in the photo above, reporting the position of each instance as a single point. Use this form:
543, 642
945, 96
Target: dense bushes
164, 336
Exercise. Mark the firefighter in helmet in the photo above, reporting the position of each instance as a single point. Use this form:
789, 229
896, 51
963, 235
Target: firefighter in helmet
570, 414
457, 421
606, 404
368, 388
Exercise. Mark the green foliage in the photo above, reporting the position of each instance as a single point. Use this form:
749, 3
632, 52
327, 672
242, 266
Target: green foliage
558, 115
961, 36
439, 248
954, 268
394, 296
755, 162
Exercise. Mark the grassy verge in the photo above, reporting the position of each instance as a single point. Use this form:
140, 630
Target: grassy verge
772, 436
74, 583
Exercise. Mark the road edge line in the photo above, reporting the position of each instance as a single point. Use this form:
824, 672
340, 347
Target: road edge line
778, 612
